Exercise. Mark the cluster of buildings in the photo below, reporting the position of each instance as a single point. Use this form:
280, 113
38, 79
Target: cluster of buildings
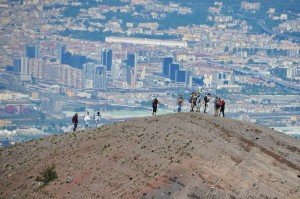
174, 72
32, 67
250, 6
125, 71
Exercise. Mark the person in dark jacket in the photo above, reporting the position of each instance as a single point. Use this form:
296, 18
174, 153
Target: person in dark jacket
154, 106
222, 108
179, 103
206, 101
75, 121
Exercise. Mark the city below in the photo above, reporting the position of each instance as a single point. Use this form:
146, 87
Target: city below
64, 57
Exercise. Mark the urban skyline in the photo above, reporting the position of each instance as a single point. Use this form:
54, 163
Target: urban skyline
62, 57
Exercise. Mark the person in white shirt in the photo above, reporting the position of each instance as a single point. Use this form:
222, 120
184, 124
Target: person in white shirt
97, 118
87, 118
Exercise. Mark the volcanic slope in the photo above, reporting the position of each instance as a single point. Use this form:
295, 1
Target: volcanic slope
185, 155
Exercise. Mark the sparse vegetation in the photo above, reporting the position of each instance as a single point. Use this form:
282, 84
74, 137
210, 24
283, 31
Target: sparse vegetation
191, 161
48, 175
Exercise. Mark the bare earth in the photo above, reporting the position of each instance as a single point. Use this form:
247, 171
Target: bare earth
186, 155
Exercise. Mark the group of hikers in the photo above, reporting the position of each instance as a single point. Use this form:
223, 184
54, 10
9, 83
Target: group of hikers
87, 119
196, 101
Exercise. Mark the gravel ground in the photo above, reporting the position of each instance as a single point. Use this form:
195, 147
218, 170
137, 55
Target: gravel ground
185, 155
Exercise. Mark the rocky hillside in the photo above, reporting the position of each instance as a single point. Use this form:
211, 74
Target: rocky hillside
186, 155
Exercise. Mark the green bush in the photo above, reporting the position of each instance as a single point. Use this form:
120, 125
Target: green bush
48, 175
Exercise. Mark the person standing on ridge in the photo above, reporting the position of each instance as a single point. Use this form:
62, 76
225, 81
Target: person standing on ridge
191, 101
216, 106
195, 98
87, 118
97, 118
206, 101
154, 106
179, 103
198, 103
222, 107
75, 121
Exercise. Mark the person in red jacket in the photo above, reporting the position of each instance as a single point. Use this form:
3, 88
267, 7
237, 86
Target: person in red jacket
222, 108
75, 121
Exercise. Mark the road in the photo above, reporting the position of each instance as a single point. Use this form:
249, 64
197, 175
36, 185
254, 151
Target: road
263, 26
276, 80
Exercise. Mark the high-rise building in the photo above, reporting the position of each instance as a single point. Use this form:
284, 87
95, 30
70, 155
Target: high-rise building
222, 78
17, 65
70, 76
89, 75
165, 66
131, 70
106, 58
127, 75
95, 76
61, 48
115, 70
100, 81
172, 70
36, 67
182, 77
32, 51
131, 60
77, 61
25, 75
67, 58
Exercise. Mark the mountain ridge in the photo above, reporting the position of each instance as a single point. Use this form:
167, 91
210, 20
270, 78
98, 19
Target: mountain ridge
185, 155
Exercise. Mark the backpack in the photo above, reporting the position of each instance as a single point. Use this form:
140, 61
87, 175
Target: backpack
179, 101
74, 119
190, 99
154, 103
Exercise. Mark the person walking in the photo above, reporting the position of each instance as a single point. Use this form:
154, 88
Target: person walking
195, 98
87, 118
222, 107
198, 104
206, 101
191, 102
97, 118
216, 106
154, 106
75, 121
179, 103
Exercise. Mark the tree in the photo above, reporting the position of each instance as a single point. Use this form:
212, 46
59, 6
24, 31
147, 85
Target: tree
226, 49
250, 61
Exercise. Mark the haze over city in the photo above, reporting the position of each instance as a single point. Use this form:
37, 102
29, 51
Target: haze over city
58, 58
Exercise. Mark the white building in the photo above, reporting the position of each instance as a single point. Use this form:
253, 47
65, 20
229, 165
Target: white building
25, 76
140, 41
291, 72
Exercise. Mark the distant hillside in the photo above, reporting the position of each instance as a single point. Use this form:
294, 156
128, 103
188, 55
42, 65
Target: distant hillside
186, 155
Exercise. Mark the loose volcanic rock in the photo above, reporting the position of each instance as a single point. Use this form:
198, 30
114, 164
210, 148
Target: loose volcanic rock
184, 155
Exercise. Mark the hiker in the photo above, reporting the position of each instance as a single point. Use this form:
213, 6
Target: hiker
75, 121
222, 107
154, 106
179, 103
97, 118
193, 100
206, 101
216, 106
198, 104
87, 118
